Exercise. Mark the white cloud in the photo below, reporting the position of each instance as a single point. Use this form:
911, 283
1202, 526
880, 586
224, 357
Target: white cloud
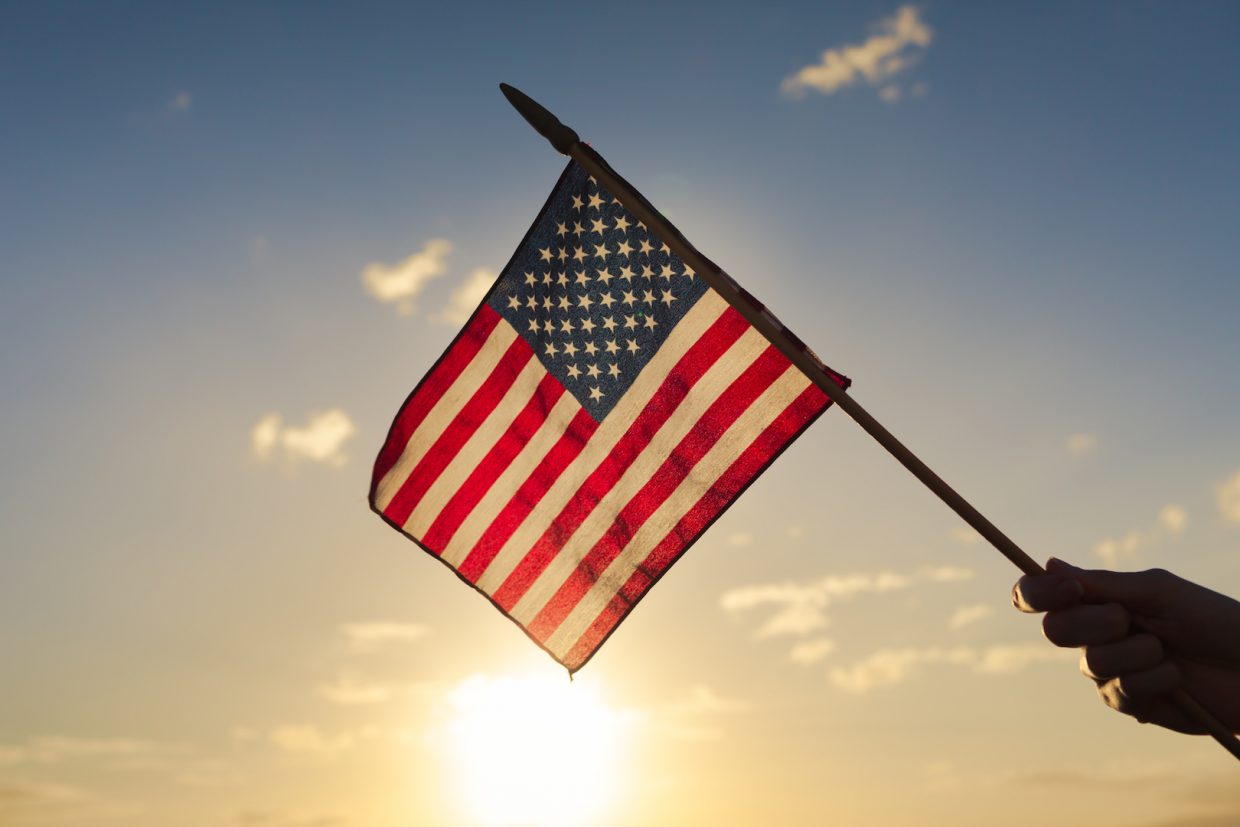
54, 749
182, 101
1171, 522
401, 283
1173, 519
888, 667
309, 740
896, 45
371, 636
696, 717
890, 93
740, 538
965, 534
1078, 445
800, 608
466, 298
320, 440
1228, 494
811, 651
891, 666
964, 615
351, 692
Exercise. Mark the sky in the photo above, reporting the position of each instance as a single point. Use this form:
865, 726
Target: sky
233, 238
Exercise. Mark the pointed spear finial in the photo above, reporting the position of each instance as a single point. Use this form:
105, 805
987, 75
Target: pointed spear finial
547, 125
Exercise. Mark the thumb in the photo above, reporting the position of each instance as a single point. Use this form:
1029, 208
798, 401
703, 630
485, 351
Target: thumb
1142, 591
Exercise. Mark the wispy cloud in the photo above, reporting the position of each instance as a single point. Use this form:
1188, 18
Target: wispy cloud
1228, 497
697, 716
370, 636
182, 101
353, 692
896, 44
1078, 445
466, 298
811, 651
888, 667
966, 615
264, 818
54, 749
1171, 522
800, 608
321, 439
402, 282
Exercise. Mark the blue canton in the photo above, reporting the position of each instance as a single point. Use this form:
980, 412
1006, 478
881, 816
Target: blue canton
594, 292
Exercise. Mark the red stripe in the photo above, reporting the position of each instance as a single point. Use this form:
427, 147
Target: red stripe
462, 427
704, 434
431, 389
676, 385
565, 450
747, 466
523, 427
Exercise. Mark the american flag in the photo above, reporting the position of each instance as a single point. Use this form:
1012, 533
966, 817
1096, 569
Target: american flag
598, 411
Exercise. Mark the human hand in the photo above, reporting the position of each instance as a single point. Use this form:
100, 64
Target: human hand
1142, 635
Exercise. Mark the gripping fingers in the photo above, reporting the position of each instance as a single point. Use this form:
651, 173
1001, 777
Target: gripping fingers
1135, 653
1086, 625
1132, 692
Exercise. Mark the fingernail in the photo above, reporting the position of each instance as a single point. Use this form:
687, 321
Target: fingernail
1055, 564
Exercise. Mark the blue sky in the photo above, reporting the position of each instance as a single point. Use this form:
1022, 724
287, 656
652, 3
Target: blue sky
1020, 244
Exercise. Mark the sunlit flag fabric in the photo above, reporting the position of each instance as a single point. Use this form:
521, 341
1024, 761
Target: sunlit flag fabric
598, 411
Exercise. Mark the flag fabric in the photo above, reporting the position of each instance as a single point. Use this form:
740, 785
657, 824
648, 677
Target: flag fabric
600, 409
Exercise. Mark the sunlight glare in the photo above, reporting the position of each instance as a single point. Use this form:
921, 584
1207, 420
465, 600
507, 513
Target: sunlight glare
531, 750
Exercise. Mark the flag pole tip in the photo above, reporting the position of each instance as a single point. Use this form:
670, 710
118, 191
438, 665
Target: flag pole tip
536, 115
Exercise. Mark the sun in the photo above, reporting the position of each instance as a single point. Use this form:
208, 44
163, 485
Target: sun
534, 751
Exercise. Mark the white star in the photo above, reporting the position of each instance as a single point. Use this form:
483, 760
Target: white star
587, 324
579, 254
600, 251
564, 305
645, 245
561, 228
573, 372
581, 277
631, 346
614, 370
576, 202
629, 298
530, 278
570, 348
545, 252
622, 223
566, 326
561, 279
605, 277
530, 301
546, 325
607, 300
592, 370
546, 302
533, 325
629, 322
626, 273
514, 302
595, 393
664, 248
584, 301
560, 254
667, 297
689, 271
647, 273
609, 323
578, 228
546, 279
665, 270
625, 248
650, 323
550, 348
595, 201
599, 226
647, 297
591, 348
611, 346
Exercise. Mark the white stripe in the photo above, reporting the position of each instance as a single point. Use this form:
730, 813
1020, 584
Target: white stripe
480, 442
697, 321
684, 419
742, 433
445, 410
501, 491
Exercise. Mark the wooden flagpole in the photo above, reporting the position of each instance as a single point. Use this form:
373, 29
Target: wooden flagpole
566, 142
